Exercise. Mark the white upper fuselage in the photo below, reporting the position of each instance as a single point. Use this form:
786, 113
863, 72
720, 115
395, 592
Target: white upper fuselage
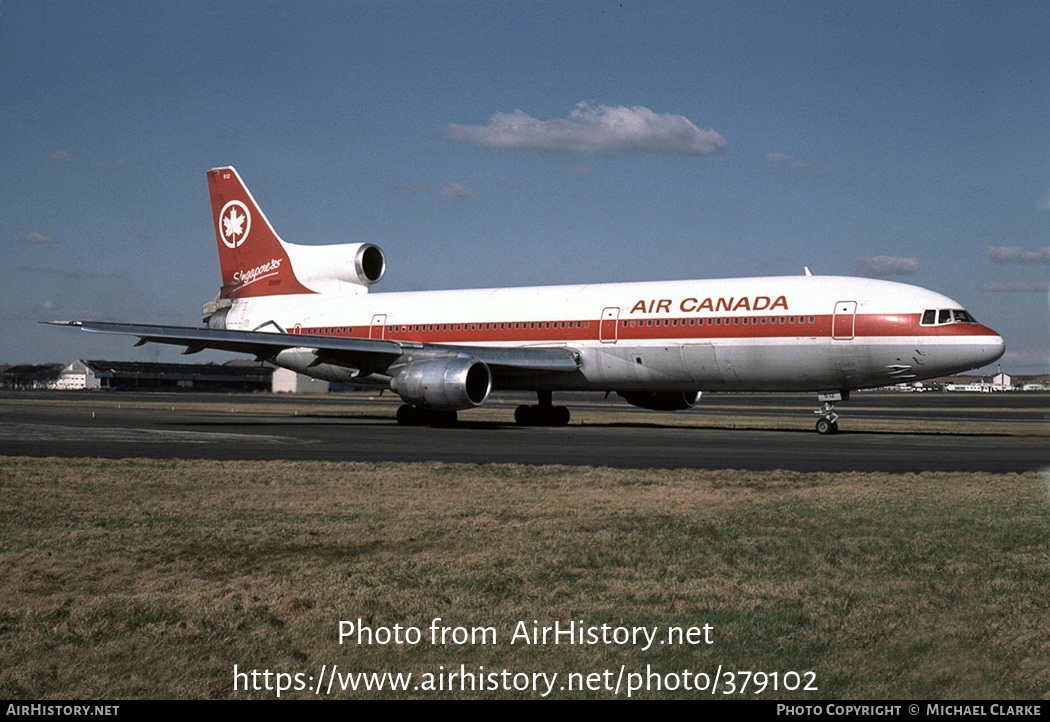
787, 333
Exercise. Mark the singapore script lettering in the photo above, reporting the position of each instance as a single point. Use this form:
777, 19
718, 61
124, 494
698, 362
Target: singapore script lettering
243, 278
695, 305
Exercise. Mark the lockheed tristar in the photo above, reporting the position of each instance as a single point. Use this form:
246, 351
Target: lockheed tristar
658, 345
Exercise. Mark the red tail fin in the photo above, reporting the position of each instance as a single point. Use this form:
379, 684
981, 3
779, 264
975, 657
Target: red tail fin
252, 256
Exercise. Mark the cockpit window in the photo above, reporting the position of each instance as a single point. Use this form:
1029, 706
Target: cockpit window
938, 316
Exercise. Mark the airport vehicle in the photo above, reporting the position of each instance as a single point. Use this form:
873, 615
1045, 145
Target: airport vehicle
658, 345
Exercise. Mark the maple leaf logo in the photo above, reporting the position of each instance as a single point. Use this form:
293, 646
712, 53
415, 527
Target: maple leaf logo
235, 225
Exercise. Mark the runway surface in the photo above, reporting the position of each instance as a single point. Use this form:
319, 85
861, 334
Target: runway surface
189, 426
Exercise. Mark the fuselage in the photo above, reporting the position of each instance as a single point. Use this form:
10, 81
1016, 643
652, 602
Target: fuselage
788, 333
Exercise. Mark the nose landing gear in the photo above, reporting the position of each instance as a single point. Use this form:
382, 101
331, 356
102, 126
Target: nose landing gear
828, 422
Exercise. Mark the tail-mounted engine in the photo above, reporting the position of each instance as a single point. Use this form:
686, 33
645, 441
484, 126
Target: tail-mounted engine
326, 268
446, 384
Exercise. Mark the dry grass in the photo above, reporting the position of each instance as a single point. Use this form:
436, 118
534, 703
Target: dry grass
153, 578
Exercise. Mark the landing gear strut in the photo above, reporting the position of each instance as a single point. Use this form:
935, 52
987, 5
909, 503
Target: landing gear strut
544, 414
828, 422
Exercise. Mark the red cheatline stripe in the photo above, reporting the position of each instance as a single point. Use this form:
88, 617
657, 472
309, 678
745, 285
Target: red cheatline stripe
751, 327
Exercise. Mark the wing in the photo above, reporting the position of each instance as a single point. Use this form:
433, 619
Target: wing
368, 355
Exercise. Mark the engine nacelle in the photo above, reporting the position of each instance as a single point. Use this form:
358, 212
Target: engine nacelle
326, 268
662, 400
446, 384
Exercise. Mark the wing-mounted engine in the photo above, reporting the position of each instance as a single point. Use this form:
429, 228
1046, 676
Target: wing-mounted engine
444, 384
343, 268
662, 400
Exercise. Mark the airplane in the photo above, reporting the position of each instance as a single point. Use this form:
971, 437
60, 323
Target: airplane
658, 345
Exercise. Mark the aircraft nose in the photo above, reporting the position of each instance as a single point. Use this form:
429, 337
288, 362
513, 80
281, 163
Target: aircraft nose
990, 349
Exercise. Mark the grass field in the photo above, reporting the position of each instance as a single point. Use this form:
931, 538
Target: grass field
143, 578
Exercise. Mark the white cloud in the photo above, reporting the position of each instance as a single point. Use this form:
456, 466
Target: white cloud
60, 156
1020, 286
783, 160
456, 190
603, 130
1002, 254
882, 266
38, 238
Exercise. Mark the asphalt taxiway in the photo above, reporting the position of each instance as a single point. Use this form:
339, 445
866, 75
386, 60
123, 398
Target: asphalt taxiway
187, 426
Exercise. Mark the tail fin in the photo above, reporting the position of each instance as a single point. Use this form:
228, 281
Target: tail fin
253, 258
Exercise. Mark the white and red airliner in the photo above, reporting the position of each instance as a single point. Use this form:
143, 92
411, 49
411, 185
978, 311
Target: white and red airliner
658, 345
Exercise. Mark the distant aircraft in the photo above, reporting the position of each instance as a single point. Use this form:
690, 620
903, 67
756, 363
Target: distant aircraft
658, 345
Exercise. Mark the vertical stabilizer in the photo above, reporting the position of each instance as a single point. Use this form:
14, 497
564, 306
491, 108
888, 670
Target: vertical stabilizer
253, 258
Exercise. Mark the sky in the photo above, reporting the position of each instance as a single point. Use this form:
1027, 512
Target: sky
519, 143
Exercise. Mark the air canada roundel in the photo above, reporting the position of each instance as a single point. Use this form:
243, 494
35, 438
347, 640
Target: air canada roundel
234, 223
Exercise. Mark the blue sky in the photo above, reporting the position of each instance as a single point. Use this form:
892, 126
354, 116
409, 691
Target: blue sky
515, 143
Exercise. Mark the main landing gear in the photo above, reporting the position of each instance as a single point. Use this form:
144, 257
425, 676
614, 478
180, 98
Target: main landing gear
828, 422
409, 415
544, 414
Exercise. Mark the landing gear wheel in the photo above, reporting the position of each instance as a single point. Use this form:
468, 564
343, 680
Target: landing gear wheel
443, 419
408, 415
524, 416
542, 415
828, 423
560, 416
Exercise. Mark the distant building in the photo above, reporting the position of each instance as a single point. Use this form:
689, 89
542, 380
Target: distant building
1002, 382
136, 376
972, 387
78, 375
288, 381
42, 376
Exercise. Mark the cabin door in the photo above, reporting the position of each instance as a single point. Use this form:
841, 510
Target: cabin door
844, 321
607, 332
378, 327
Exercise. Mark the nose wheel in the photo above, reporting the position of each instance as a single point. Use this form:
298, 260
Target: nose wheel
828, 423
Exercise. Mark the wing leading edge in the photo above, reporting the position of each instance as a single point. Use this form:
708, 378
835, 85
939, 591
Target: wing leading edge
373, 355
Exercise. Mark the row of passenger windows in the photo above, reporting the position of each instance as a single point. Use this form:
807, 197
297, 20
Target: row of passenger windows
326, 330
937, 316
488, 326
735, 321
